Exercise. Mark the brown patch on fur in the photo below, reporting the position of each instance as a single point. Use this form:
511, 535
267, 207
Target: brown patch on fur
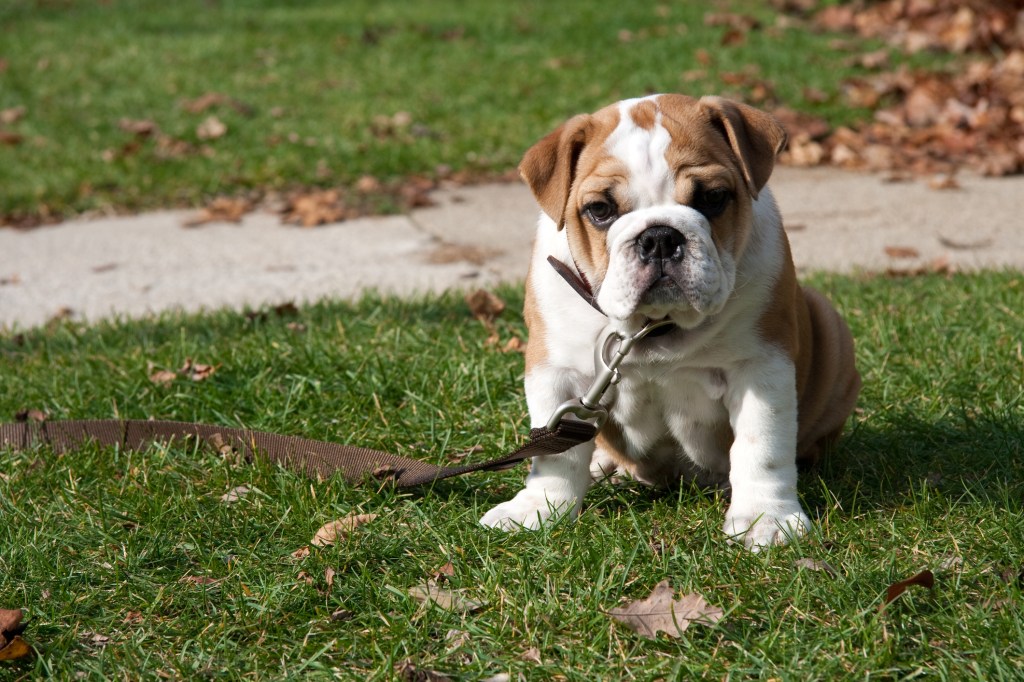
536, 342
644, 114
804, 324
549, 166
754, 136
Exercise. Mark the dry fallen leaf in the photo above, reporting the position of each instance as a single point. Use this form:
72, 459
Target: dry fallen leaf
902, 252
133, 618
12, 115
139, 127
10, 624
816, 565
484, 305
442, 574
163, 377
514, 345
14, 649
211, 128
407, 672
925, 579
449, 600
659, 612
95, 639
301, 552
317, 207
199, 580
221, 210
197, 371
235, 494
12, 646
337, 530
31, 415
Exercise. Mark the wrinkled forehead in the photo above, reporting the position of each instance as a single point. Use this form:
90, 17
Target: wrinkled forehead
653, 142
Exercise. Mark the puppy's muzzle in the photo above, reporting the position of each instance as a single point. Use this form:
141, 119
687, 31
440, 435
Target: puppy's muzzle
659, 245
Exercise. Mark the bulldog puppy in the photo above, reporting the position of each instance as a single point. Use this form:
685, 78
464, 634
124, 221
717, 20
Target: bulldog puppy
658, 208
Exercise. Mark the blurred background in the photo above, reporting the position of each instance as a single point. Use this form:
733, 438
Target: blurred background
324, 110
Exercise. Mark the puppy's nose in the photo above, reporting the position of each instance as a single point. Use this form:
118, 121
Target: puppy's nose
660, 242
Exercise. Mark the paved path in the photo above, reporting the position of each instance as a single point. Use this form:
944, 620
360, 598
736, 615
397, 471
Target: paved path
475, 236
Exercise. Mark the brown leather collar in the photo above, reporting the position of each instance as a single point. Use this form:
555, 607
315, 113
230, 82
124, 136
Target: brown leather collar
578, 281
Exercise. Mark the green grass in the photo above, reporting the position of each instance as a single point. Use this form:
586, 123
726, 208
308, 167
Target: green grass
480, 81
98, 541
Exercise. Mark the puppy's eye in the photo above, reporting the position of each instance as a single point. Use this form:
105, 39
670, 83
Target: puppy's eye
601, 213
712, 202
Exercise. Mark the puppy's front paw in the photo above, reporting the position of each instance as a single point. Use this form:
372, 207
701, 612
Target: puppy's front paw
764, 529
529, 509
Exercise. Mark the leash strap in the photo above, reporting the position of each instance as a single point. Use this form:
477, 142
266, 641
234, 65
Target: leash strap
578, 282
314, 458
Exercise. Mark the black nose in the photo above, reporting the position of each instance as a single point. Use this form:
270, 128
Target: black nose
658, 243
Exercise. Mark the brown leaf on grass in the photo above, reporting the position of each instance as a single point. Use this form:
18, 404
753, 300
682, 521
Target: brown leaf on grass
198, 580
456, 457
12, 115
449, 600
221, 210
531, 655
10, 139
12, 646
10, 624
163, 377
936, 121
444, 573
14, 649
211, 128
329, 574
342, 615
406, 671
484, 306
95, 639
138, 127
902, 252
301, 552
514, 345
332, 532
235, 494
213, 99
659, 612
925, 579
133, 618
31, 415
197, 371
816, 565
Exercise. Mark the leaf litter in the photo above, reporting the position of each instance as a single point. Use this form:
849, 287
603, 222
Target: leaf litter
927, 123
12, 645
338, 530
661, 612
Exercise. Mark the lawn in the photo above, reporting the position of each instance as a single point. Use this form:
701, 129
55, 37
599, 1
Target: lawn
132, 565
110, 103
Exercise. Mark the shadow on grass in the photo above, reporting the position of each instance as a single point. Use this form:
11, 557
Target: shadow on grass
878, 465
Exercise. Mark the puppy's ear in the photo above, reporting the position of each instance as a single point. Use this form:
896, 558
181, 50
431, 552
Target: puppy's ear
549, 167
755, 138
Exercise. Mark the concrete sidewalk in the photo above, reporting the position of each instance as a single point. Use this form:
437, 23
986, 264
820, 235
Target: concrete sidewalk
475, 236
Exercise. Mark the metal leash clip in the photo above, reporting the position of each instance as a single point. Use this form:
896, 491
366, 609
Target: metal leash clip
606, 369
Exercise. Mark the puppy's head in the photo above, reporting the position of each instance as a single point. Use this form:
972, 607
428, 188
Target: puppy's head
656, 197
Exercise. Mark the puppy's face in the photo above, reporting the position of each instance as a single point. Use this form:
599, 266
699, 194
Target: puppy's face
655, 195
